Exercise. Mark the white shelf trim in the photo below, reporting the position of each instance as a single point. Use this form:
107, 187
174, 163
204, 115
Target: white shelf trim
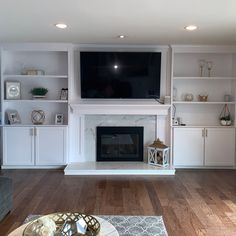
32, 125
36, 76
202, 103
201, 126
37, 100
203, 78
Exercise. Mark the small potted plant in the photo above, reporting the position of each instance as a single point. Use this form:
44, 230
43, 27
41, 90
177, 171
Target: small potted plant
225, 117
225, 120
39, 92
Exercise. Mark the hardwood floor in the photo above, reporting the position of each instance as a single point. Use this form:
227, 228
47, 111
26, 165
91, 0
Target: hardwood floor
193, 202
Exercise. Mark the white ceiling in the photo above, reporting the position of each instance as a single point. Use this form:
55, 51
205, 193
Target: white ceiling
100, 21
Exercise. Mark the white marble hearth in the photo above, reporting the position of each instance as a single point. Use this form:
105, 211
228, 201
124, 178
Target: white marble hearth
116, 168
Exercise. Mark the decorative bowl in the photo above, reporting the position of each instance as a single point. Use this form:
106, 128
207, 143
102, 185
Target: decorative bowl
202, 98
188, 97
93, 226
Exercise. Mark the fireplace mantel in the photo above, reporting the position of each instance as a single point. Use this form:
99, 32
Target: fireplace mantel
86, 110
109, 107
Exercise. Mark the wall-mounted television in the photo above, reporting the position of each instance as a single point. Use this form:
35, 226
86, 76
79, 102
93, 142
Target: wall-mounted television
114, 75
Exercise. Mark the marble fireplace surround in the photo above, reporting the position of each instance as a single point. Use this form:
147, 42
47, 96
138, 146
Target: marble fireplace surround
87, 115
90, 114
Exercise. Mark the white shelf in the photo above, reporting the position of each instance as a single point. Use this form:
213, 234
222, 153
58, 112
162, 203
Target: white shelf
54, 63
203, 78
38, 76
32, 125
37, 101
202, 103
201, 126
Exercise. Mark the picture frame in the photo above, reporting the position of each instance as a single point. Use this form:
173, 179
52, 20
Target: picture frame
13, 90
13, 117
59, 119
64, 94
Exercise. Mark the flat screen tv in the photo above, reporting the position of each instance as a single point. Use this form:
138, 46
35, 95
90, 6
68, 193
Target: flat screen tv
114, 75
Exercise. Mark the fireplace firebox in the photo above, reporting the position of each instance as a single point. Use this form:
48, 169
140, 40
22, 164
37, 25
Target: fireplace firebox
119, 143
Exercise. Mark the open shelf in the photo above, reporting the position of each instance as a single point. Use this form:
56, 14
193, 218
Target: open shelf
37, 101
54, 64
32, 125
37, 76
200, 126
202, 103
203, 78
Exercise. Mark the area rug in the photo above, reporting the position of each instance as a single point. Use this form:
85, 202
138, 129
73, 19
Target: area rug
131, 225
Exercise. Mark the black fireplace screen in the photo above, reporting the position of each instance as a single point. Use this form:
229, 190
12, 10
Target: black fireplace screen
119, 143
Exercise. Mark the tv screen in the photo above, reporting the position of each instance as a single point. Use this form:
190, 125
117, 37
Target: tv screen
120, 74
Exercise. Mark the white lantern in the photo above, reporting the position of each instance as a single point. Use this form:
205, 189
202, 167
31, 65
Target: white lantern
158, 154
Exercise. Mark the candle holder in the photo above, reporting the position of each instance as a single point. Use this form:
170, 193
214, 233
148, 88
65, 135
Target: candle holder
202, 64
209, 68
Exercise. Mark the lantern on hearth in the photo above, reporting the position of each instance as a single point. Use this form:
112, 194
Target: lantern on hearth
158, 154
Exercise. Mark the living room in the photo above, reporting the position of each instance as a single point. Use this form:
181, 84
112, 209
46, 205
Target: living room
119, 113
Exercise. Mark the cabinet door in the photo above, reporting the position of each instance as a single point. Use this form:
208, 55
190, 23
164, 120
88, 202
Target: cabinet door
220, 147
50, 145
188, 147
18, 146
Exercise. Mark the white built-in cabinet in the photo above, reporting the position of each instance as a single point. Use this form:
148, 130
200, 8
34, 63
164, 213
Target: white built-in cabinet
201, 140
34, 146
26, 143
219, 146
199, 147
188, 147
18, 146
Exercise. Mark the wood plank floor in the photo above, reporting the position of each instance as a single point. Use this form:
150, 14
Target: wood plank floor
193, 202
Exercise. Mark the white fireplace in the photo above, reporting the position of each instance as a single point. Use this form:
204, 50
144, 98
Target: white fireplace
89, 114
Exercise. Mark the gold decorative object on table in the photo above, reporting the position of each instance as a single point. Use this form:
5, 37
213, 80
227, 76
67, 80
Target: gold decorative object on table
60, 220
158, 154
202, 97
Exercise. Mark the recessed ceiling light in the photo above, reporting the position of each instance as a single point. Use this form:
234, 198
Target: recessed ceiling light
61, 25
190, 27
121, 36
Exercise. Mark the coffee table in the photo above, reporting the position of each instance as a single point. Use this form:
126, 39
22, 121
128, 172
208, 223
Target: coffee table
107, 229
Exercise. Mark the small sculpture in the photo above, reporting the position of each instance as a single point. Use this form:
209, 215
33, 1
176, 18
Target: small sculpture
188, 97
37, 117
202, 97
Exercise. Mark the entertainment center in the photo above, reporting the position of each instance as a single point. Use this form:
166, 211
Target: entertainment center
197, 140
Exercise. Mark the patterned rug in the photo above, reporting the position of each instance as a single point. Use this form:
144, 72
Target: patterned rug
131, 225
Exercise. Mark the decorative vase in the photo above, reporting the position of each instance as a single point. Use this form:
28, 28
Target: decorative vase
188, 97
